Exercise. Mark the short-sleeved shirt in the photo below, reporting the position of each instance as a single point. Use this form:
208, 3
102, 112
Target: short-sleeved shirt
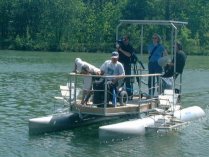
155, 53
112, 69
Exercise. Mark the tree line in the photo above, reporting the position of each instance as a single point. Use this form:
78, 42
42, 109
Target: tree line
90, 25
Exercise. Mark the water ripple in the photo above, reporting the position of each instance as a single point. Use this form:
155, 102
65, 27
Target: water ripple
29, 83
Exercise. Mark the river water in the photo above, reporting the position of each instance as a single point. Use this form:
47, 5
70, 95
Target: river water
30, 80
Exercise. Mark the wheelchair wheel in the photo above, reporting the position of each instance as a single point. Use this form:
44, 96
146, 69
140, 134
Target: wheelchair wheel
123, 98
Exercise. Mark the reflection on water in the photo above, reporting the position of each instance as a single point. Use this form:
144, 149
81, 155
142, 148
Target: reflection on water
29, 82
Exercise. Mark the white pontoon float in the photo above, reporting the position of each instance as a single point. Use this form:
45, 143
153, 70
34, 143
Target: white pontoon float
163, 110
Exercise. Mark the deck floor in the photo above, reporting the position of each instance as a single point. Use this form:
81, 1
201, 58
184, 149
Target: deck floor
132, 107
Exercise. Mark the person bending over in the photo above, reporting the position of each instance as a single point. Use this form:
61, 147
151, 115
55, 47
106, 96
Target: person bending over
83, 67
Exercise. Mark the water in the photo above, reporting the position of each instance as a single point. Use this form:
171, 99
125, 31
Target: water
30, 80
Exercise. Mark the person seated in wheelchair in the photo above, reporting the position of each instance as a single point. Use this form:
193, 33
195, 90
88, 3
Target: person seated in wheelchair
108, 68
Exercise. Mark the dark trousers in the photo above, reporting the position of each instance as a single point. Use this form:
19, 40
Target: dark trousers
153, 68
129, 86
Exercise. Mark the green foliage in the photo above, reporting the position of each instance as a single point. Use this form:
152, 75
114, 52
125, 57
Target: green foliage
89, 26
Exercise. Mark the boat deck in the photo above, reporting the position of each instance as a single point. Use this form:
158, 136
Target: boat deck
132, 107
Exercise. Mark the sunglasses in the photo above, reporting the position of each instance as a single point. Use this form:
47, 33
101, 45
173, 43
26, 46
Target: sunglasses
154, 38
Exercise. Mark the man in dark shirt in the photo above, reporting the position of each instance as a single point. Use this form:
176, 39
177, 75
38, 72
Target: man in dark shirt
180, 63
125, 52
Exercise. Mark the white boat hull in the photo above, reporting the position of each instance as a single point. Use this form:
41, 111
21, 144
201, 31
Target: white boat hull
189, 114
138, 127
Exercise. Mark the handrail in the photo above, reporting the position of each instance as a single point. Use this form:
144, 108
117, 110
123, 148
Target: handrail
103, 108
116, 76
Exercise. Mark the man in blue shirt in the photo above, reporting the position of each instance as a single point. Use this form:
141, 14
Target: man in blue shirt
156, 51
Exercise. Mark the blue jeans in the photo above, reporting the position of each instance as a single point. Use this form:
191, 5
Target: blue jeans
153, 68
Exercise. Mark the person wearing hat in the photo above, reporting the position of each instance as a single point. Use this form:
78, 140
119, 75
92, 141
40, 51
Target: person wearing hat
156, 50
112, 67
109, 68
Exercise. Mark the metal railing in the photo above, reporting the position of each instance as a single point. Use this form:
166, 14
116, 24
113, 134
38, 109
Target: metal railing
140, 86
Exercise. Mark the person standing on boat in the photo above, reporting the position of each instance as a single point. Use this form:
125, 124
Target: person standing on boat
170, 74
156, 50
85, 68
180, 62
126, 51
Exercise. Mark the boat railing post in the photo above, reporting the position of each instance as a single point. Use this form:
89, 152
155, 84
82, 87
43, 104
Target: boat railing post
70, 87
141, 37
180, 86
75, 87
105, 96
159, 83
140, 95
140, 84
139, 110
152, 86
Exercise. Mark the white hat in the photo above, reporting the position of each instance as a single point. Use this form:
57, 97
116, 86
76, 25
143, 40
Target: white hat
77, 60
115, 54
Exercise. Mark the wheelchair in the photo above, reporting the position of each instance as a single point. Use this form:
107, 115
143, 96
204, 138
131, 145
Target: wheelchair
114, 91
